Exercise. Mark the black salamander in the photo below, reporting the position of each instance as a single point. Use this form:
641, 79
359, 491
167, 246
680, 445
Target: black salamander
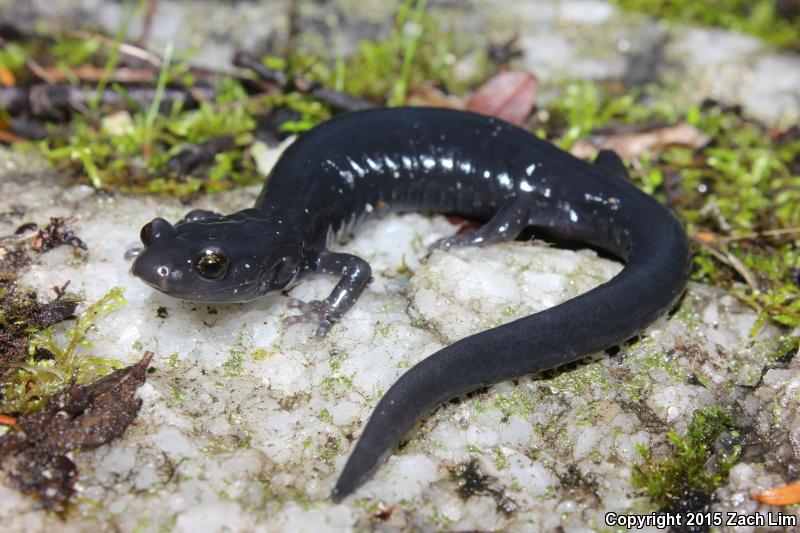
363, 164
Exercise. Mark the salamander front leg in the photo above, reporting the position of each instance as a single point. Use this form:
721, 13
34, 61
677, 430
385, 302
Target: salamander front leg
199, 214
504, 226
355, 276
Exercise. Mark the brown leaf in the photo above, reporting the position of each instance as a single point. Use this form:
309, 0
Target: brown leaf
9, 138
55, 234
6, 77
783, 495
630, 145
509, 95
24, 314
428, 96
34, 451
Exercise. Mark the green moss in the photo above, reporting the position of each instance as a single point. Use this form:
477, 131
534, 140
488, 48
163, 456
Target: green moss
383, 330
688, 470
517, 402
337, 377
756, 17
234, 364
27, 388
326, 416
641, 359
177, 393
416, 52
131, 152
738, 196
404, 270
787, 346
64, 53
330, 450
576, 381
474, 450
500, 459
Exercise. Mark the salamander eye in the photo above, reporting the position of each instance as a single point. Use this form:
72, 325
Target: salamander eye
212, 264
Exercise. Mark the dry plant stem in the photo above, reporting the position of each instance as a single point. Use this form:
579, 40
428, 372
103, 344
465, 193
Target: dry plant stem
128, 49
728, 259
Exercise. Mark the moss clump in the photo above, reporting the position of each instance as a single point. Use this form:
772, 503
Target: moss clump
688, 470
416, 52
517, 402
762, 18
738, 196
131, 150
28, 386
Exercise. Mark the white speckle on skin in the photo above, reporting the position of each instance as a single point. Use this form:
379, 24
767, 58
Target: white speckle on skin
357, 168
505, 180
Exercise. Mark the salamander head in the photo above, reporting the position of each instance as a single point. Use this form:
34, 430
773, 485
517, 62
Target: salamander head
216, 259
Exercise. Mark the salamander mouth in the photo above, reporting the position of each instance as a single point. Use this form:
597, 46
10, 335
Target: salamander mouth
156, 276
184, 285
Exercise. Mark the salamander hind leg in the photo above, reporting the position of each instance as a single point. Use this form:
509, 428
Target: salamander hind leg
612, 162
355, 276
504, 226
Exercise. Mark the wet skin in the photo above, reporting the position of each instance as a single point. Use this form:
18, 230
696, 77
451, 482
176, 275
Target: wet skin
363, 164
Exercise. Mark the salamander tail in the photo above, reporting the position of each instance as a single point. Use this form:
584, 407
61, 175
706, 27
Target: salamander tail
653, 279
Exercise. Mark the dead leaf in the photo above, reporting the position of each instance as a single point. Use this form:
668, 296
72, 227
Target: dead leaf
783, 495
629, 145
6, 77
509, 95
727, 258
55, 234
82, 417
23, 314
428, 96
706, 237
10, 138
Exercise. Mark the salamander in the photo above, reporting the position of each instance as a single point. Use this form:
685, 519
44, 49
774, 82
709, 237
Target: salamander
362, 164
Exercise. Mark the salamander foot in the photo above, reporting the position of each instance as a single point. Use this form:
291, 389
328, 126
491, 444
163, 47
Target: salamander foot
317, 312
470, 237
504, 226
